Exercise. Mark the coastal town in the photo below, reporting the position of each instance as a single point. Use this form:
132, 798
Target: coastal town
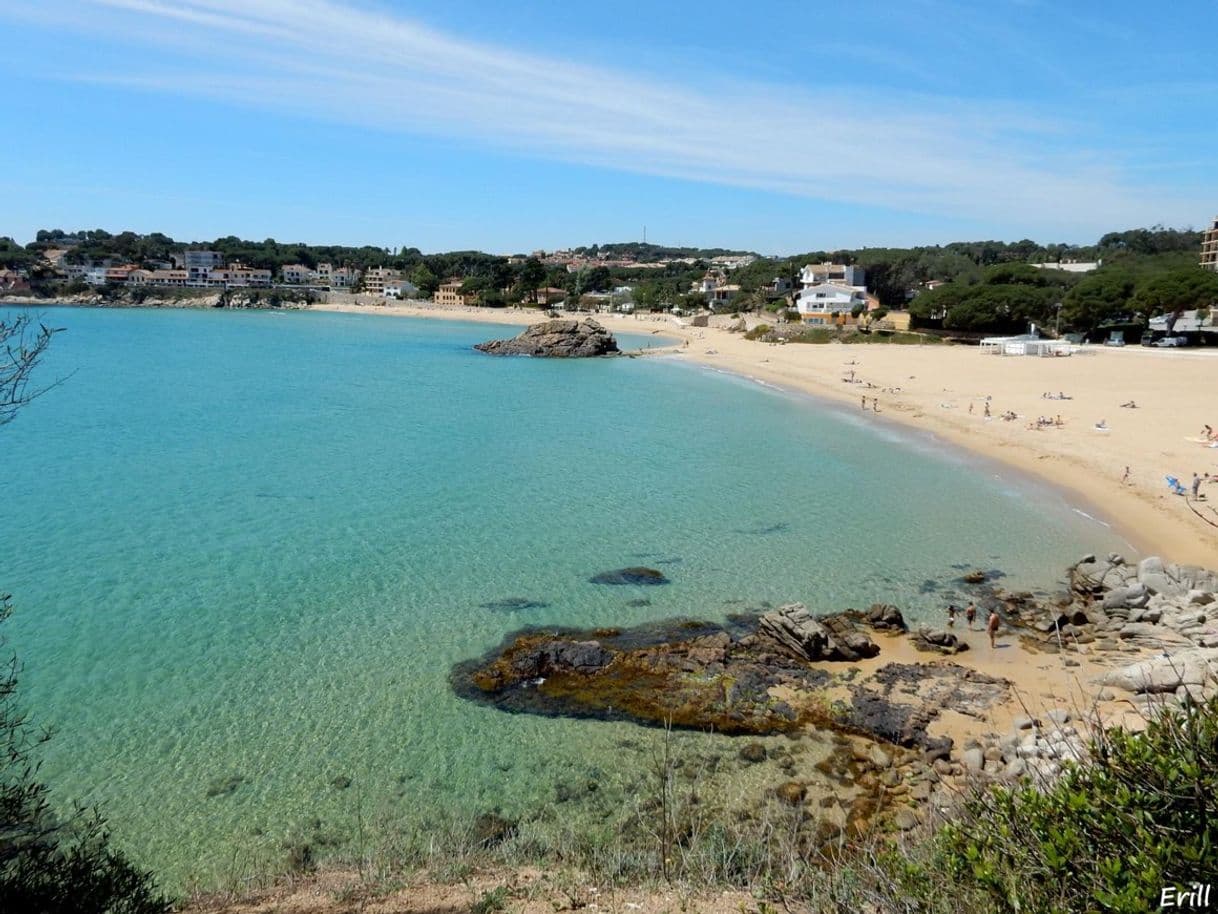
856, 292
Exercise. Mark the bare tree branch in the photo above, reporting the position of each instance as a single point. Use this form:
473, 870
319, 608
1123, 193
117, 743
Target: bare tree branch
22, 345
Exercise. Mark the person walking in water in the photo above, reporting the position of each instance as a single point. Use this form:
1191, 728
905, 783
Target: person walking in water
951, 615
992, 627
970, 616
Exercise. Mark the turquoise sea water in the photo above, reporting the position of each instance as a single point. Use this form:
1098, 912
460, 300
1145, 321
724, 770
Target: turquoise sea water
250, 546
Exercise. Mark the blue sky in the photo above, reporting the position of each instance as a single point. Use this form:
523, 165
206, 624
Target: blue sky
771, 126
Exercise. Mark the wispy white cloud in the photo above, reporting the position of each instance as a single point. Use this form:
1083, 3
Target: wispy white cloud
336, 61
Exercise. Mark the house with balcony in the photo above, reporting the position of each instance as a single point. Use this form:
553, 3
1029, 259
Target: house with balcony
296, 274
834, 273
400, 289
829, 303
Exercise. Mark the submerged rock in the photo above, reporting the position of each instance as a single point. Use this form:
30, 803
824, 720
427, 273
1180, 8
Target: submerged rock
635, 575
221, 787
513, 604
561, 339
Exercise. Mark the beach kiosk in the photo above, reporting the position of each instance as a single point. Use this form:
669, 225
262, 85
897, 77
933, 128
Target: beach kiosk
1025, 344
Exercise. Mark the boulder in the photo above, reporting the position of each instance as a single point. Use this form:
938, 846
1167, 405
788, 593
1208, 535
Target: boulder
561, 339
1167, 673
1147, 634
793, 629
848, 643
938, 640
1134, 596
885, 616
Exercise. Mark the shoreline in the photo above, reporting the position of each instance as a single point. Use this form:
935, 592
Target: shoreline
1078, 460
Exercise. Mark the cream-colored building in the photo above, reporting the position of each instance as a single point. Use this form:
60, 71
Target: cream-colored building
1209, 247
450, 293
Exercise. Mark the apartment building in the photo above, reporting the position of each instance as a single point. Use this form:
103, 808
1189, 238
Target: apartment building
236, 276
1209, 247
198, 264
297, 274
450, 293
377, 278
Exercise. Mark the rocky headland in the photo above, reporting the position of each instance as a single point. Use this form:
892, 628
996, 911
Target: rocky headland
558, 339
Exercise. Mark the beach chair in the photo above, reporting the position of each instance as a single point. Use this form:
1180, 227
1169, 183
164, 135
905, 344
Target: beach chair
1174, 484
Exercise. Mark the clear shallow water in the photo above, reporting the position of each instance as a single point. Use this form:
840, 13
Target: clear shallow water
252, 545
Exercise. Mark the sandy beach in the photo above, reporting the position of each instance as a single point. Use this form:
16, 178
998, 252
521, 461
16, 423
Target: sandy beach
944, 390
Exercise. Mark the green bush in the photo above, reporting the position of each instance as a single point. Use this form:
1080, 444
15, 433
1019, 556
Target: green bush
1139, 816
758, 332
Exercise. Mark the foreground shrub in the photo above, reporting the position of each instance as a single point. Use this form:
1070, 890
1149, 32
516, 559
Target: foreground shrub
1110, 835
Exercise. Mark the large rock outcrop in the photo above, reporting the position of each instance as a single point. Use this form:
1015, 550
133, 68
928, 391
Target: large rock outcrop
561, 339
792, 628
1194, 669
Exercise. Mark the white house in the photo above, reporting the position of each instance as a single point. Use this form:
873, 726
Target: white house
816, 304
401, 288
297, 274
836, 273
1071, 266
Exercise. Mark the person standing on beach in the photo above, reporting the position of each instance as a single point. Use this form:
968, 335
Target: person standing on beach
987, 409
992, 627
1196, 486
970, 616
951, 615
1125, 478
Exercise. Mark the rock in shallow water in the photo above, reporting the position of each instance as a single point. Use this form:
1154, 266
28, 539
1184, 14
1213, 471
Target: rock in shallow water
513, 604
562, 339
635, 575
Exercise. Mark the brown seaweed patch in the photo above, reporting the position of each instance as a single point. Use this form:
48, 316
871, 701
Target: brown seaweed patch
683, 673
